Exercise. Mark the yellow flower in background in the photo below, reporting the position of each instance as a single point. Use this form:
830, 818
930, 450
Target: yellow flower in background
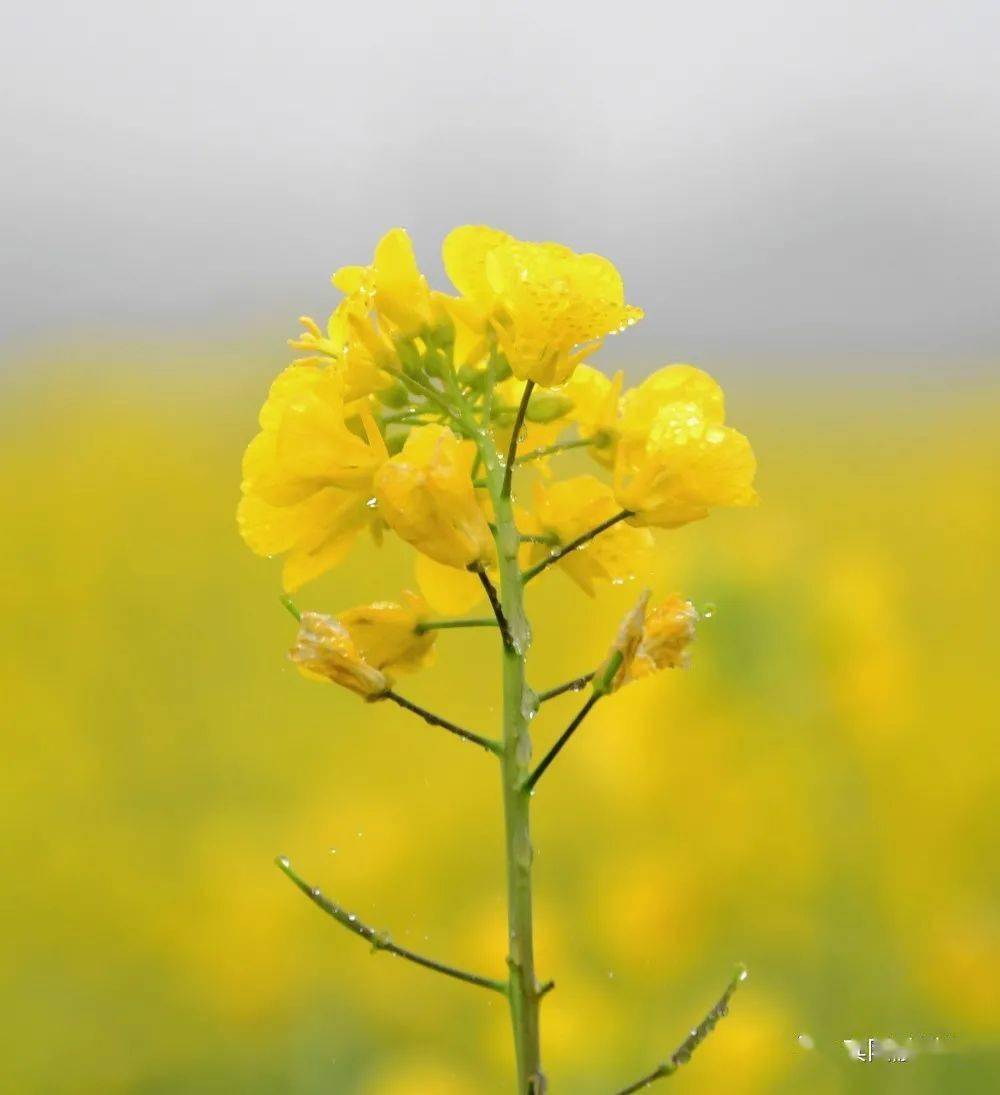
324, 649
675, 459
447, 590
307, 476
387, 634
548, 306
567, 509
425, 494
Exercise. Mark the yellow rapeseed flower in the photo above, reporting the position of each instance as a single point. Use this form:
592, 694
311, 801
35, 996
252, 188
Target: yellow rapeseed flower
425, 494
387, 634
675, 458
390, 298
324, 650
547, 306
307, 476
564, 510
392, 285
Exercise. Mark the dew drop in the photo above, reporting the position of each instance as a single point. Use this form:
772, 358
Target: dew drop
708, 611
284, 861
806, 1041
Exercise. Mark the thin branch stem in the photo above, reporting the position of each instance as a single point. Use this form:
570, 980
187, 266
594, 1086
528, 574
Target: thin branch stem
533, 572
570, 686
380, 941
436, 720
551, 450
682, 1054
522, 410
556, 749
443, 625
494, 599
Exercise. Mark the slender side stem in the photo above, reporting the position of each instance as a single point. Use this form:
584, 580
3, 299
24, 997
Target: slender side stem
436, 720
443, 625
380, 941
495, 603
533, 572
522, 410
570, 686
564, 737
682, 1054
551, 450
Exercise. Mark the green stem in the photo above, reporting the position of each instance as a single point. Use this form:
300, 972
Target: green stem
522, 410
443, 625
682, 1054
436, 720
495, 604
570, 686
524, 991
380, 941
564, 737
551, 450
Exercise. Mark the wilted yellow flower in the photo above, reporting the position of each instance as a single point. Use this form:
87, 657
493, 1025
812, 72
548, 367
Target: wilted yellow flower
675, 459
324, 649
613, 672
307, 477
387, 634
667, 635
564, 510
649, 640
547, 306
425, 493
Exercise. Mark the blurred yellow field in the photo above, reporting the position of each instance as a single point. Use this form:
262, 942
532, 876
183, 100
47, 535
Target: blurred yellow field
816, 796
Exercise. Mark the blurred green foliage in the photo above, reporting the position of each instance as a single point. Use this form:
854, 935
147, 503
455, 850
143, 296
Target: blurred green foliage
816, 796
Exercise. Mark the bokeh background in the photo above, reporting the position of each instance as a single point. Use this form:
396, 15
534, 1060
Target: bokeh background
804, 199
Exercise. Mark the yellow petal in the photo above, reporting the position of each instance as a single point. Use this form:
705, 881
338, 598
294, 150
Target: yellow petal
448, 591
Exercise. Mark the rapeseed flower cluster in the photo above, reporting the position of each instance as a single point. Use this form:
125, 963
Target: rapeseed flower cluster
441, 418
370, 430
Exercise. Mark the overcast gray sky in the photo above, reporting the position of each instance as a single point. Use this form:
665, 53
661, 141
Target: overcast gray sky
769, 176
